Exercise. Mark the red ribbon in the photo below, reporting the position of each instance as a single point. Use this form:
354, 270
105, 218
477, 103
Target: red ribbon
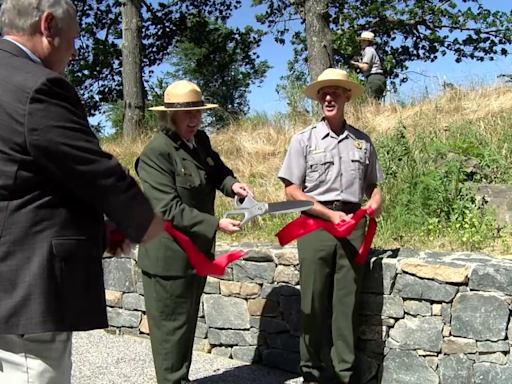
304, 225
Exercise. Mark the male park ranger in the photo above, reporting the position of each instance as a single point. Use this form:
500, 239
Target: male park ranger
372, 66
334, 165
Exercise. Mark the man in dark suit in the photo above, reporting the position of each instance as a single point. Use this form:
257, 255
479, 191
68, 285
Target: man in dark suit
56, 185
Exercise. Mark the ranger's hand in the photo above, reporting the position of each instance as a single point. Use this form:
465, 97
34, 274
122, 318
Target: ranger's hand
229, 226
242, 190
337, 217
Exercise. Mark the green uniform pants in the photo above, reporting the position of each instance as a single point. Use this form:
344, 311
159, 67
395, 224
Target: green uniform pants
375, 86
172, 307
329, 282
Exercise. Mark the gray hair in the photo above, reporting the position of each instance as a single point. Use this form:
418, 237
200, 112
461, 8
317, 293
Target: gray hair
18, 17
164, 120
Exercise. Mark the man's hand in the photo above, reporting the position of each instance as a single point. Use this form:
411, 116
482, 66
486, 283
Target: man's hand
229, 226
154, 230
242, 190
376, 206
337, 217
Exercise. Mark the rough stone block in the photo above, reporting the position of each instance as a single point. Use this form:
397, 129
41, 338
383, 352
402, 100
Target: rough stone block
446, 313
485, 373
226, 312
201, 330
202, 345
495, 358
410, 287
230, 288
489, 346
455, 345
289, 304
222, 352
389, 306
437, 309
258, 255
114, 299
250, 290
479, 316
286, 274
212, 285
414, 307
288, 361
447, 330
263, 307
287, 290
424, 333
269, 325
118, 274
439, 272
373, 332
229, 337
283, 341
381, 276
405, 367
144, 325
246, 354
455, 369
134, 301
123, 318
492, 278
271, 291
432, 362
253, 272
288, 257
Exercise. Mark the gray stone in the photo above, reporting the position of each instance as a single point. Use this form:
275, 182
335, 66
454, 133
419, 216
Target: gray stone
479, 316
118, 274
486, 373
253, 272
202, 345
498, 196
257, 255
446, 313
134, 301
286, 274
226, 312
424, 333
201, 308
283, 341
373, 332
269, 325
201, 330
456, 345
288, 257
406, 367
271, 291
123, 318
130, 331
212, 285
228, 274
222, 352
492, 278
496, 358
229, 337
288, 361
432, 362
489, 346
455, 369
405, 253
463, 289
410, 287
389, 306
381, 276
414, 307
246, 354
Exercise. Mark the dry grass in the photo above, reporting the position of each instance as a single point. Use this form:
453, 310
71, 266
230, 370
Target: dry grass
255, 148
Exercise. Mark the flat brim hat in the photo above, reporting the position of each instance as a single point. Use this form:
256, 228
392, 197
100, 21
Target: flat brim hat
368, 36
333, 77
183, 95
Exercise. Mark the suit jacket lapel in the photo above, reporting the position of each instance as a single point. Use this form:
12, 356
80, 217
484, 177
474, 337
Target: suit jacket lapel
189, 154
13, 49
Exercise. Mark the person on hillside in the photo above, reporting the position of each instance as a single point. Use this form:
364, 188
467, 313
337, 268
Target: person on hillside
334, 165
372, 67
56, 185
180, 173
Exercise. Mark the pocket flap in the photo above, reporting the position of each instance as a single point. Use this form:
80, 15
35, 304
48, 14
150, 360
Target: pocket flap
73, 247
186, 181
320, 158
358, 156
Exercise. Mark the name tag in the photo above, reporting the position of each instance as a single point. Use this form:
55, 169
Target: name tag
316, 151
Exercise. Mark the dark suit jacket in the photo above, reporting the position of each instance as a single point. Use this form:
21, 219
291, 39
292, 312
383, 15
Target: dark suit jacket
182, 187
56, 184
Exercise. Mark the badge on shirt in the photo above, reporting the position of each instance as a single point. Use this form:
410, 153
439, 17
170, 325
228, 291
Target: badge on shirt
358, 144
210, 161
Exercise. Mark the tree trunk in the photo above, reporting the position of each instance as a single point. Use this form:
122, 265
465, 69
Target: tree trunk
319, 36
133, 87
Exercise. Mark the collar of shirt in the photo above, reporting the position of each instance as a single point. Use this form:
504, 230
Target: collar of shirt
33, 57
191, 143
324, 131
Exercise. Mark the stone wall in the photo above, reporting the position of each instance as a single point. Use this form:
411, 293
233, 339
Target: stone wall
425, 317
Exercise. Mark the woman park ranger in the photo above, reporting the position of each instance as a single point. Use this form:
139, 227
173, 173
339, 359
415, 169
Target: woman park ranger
180, 173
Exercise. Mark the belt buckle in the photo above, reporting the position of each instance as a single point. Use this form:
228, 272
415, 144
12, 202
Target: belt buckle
337, 206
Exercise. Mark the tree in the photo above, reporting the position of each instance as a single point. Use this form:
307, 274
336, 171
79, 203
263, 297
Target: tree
407, 30
224, 64
133, 87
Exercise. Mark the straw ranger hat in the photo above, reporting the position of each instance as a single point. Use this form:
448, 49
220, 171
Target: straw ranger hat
368, 36
183, 95
333, 77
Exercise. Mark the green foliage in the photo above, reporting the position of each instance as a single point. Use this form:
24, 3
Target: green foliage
406, 31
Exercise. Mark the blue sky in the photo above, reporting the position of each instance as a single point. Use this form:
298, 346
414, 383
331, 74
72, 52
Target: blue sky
264, 98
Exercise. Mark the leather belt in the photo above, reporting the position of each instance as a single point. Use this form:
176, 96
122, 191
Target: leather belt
342, 206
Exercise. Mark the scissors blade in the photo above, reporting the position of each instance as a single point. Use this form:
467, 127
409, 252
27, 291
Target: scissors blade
288, 206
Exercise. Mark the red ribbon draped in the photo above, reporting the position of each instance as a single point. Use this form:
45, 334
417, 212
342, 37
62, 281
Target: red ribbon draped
292, 231
304, 225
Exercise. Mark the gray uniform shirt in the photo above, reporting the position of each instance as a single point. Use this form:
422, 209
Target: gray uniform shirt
330, 167
371, 58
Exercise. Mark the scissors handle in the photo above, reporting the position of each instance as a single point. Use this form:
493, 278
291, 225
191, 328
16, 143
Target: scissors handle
249, 208
247, 202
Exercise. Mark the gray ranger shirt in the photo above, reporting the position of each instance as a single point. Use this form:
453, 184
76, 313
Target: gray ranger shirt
372, 58
330, 167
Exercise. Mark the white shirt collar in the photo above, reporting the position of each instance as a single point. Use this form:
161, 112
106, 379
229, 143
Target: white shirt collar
33, 57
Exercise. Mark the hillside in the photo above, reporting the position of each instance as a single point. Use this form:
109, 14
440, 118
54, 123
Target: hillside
432, 154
